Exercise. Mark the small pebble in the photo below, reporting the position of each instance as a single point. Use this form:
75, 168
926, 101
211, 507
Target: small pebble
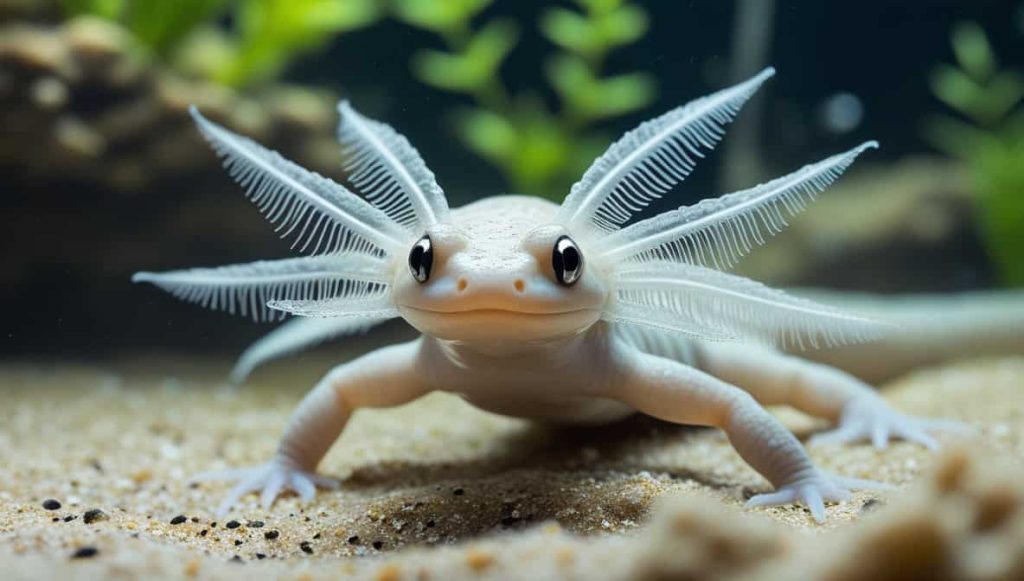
255, 524
204, 532
316, 536
871, 505
378, 545
94, 515
271, 535
238, 542
70, 518
234, 524
304, 545
479, 560
458, 492
236, 559
260, 556
85, 553
179, 519
353, 540
51, 504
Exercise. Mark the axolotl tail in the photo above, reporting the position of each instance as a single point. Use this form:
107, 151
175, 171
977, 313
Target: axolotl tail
929, 329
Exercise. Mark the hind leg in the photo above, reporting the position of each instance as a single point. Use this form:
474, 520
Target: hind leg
678, 393
774, 378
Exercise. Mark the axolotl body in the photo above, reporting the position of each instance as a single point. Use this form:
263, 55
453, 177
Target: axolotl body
566, 313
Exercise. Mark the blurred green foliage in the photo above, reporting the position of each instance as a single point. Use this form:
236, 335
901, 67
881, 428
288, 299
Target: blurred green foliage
988, 135
157, 24
264, 35
109, 9
538, 151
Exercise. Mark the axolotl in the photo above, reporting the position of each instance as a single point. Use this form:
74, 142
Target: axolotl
574, 313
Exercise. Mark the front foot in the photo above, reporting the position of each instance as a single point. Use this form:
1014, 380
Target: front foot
814, 490
870, 418
270, 480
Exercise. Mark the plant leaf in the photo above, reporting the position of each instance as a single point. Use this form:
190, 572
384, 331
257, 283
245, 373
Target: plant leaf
571, 31
973, 51
591, 98
473, 68
444, 17
489, 134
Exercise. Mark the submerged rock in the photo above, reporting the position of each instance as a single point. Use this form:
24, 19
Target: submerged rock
97, 140
83, 104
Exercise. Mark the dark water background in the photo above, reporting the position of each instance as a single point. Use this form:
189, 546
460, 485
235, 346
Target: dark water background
880, 51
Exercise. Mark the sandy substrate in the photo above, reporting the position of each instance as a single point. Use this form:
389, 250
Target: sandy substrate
439, 490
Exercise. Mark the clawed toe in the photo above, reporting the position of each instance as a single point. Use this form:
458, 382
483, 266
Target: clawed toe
851, 483
325, 482
814, 492
841, 435
303, 486
810, 496
270, 481
784, 496
872, 420
236, 494
272, 488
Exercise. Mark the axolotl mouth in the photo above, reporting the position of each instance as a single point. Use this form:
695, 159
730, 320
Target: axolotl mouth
497, 311
501, 324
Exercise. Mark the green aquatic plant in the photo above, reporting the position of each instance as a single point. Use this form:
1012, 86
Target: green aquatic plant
262, 38
159, 25
988, 135
267, 34
109, 9
537, 150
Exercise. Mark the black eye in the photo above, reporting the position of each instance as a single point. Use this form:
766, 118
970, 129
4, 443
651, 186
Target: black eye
421, 258
567, 261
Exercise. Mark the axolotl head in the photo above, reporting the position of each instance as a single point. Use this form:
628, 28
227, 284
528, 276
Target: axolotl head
500, 270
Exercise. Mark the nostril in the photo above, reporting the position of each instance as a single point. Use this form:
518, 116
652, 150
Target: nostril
520, 285
462, 284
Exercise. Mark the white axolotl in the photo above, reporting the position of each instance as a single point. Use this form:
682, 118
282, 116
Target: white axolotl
570, 313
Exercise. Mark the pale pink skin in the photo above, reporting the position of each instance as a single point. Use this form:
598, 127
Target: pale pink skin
499, 331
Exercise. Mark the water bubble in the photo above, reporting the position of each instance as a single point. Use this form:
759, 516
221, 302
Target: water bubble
841, 113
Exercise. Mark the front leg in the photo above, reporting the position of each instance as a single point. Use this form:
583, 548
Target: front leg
774, 378
386, 377
674, 392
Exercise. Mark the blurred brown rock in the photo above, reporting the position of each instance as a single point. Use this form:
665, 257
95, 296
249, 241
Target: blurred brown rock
104, 173
906, 227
